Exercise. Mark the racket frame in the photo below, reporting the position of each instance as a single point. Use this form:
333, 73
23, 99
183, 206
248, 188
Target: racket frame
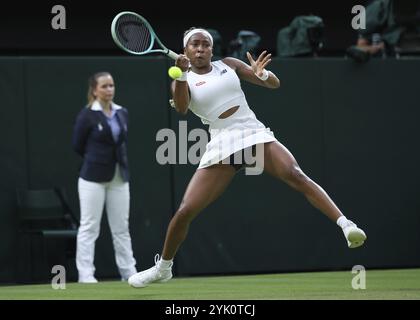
153, 36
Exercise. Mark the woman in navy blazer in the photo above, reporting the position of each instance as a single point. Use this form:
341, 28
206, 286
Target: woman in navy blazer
100, 137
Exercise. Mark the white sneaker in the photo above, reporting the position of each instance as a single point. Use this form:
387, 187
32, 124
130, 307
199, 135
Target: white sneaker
354, 235
88, 279
153, 274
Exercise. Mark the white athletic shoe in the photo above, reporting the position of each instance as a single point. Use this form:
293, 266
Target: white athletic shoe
354, 235
153, 274
88, 279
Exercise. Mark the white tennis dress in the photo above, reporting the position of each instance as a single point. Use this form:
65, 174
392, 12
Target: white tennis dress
214, 93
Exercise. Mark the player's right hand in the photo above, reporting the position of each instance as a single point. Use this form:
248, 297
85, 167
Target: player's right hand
183, 62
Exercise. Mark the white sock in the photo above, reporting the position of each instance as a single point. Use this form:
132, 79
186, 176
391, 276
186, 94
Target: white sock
342, 221
165, 264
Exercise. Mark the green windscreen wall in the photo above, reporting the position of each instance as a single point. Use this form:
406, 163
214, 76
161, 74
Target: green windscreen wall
352, 128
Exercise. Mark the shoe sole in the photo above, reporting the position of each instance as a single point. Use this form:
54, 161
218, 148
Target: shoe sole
164, 280
138, 286
143, 285
356, 239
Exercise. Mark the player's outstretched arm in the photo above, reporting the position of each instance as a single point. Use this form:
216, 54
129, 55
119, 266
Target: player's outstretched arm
255, 72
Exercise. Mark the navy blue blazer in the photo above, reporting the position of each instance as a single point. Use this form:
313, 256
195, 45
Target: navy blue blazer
92, 139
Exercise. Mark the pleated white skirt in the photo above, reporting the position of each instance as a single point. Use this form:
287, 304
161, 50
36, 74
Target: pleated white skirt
237, 132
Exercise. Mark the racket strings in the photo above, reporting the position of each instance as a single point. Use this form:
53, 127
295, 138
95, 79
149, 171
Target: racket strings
133, 34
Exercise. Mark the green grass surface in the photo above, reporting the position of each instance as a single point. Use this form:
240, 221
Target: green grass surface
380, 284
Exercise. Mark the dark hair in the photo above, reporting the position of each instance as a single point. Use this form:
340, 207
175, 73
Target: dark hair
92, 83
192, 28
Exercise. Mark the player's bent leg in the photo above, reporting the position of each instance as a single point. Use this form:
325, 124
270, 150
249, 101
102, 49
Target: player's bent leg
205, 187
280, 163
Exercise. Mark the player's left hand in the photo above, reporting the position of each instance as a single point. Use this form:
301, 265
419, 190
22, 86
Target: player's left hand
259, 65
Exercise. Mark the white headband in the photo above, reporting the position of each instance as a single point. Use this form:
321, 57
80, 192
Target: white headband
194, 31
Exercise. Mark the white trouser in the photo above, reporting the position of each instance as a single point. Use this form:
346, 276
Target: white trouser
116, 196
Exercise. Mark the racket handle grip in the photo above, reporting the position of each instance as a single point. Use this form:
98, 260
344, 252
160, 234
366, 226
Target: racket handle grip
172, 54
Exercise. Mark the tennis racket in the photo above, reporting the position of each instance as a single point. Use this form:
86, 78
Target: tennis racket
134, 34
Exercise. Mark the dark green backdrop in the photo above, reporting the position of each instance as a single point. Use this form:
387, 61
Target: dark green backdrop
352, 128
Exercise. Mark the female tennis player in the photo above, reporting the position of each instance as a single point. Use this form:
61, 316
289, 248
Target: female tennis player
213, 92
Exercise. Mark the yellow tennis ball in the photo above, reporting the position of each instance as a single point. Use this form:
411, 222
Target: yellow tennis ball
175, 72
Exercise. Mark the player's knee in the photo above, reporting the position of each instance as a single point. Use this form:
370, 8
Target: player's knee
185, 213
297, 177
